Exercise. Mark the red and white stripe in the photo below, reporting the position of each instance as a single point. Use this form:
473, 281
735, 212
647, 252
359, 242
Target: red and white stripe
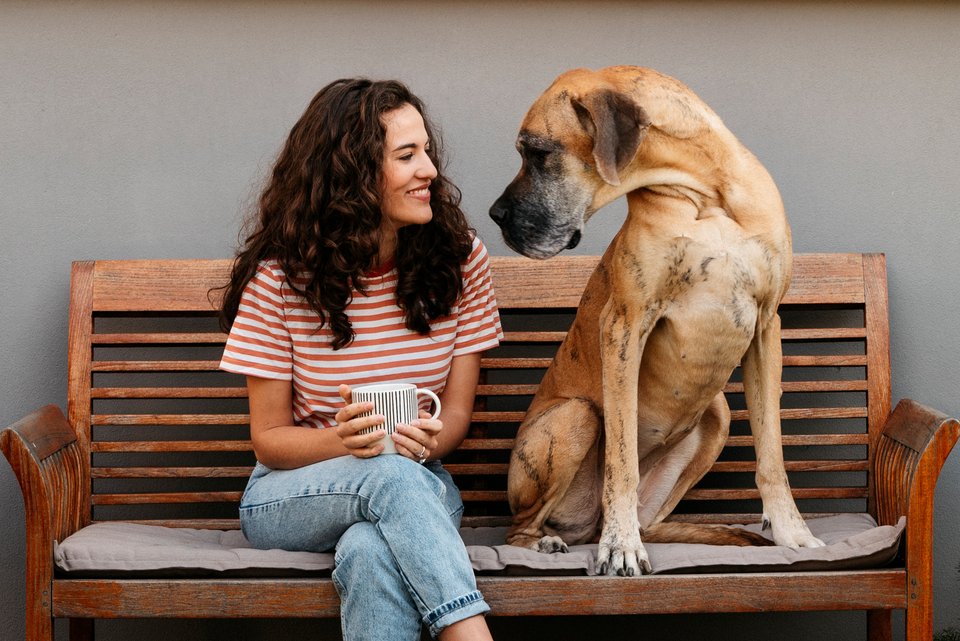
276, 335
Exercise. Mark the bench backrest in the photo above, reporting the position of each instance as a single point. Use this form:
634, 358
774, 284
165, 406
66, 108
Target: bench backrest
166, 433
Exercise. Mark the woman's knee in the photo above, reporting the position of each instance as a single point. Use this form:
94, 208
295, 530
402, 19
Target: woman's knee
363, 556
400, 474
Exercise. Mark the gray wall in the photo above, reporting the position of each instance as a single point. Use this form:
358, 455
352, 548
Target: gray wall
143, 129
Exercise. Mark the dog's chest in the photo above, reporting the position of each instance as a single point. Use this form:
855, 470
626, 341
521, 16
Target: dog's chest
709, 304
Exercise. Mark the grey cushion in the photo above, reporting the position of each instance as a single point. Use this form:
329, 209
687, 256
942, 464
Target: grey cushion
853, 541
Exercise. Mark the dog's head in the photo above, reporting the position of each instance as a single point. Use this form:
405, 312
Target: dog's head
574, 141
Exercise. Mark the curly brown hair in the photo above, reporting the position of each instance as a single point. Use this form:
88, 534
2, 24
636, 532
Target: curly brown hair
319, 215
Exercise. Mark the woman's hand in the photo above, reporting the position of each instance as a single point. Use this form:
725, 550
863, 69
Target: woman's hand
418, 440
349, 426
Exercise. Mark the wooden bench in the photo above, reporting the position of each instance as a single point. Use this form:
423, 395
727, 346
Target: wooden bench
154, 433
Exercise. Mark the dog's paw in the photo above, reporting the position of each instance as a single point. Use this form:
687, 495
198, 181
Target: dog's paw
791, 532
551, 544
623, 557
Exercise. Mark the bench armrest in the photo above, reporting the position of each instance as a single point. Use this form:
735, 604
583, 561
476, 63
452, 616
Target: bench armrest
913, 447
47, 460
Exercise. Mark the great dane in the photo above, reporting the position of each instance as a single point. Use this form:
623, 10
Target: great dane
631, 413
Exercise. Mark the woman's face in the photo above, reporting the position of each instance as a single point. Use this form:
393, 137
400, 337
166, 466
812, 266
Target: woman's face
407, 170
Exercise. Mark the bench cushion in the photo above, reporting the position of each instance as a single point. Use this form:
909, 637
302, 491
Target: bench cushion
118, 548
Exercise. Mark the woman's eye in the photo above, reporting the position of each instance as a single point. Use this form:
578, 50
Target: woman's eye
406, 157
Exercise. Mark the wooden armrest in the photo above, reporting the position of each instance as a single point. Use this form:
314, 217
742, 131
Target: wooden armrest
915, 442
47, 460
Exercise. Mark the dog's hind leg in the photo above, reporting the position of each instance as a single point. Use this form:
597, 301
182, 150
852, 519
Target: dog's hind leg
670, 477
555, 446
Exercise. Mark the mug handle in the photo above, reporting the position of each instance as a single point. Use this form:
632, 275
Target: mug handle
436, 401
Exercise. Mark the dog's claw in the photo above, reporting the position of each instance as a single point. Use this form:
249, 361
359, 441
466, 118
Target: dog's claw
622, 561
765, 525
551, 544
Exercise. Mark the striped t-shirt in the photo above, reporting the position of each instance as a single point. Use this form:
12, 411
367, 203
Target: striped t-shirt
275, 335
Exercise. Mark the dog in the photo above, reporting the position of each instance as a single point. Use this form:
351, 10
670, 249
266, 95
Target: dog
631, 412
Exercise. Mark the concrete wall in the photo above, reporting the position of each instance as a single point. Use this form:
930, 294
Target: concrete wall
144, 129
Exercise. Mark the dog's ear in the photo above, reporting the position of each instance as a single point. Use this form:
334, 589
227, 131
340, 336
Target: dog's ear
616, 124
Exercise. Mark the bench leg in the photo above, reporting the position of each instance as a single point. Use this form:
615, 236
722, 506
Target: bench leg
879, 625
81, 629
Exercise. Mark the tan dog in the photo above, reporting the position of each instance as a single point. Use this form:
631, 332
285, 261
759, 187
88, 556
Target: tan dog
631, 413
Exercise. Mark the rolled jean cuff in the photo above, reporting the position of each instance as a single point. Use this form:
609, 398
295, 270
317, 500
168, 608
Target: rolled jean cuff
455, 610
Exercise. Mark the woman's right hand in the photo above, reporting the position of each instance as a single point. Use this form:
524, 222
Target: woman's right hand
349, 426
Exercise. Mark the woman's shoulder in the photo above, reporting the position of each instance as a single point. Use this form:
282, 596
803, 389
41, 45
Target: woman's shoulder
270, 269
478, 254
269, 274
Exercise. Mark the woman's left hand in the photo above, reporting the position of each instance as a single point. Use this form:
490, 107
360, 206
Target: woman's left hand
418, 440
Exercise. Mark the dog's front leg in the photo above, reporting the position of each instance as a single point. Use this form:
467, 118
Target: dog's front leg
762, 371
623, 329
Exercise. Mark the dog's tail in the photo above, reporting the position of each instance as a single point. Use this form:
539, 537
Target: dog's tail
708, 533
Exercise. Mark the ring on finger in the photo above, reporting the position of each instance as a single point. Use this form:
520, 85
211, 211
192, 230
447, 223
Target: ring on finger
422, 455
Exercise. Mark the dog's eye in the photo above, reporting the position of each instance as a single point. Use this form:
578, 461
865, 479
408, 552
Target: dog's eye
536, 155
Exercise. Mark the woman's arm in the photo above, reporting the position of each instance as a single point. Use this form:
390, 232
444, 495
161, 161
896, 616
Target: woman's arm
456, 411
281, 445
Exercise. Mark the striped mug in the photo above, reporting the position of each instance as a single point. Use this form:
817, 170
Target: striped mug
397, 402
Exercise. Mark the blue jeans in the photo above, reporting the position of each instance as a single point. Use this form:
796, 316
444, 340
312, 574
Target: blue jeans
399, 558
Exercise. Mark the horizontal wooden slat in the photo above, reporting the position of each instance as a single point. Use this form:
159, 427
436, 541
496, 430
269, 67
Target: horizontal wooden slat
798, 493
171, 446
808, 386
498, 417
796, 466
843, 360
533, 337
489, 496
185, 285
486, 444
155, 366
823, 333
168, 392
515, 363
826, 279
200, 524
736, 415
805, 440
219, 338
476, 469
173, 472
735, 518
507, 596
157, 285
506, 390
159, 338
159, 498
729, 518
829, 360
807, 413
169, 419
729, 388
517, 281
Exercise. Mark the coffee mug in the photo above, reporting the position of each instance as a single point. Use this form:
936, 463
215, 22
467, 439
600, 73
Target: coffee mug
397, 402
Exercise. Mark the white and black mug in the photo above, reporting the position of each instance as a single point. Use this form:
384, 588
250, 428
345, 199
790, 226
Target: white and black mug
397, 402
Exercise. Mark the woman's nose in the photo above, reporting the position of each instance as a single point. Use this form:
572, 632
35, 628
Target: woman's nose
427, 169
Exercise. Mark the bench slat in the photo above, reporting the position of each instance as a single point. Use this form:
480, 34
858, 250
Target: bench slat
507, 596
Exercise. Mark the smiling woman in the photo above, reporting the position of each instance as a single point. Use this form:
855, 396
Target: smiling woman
361, 269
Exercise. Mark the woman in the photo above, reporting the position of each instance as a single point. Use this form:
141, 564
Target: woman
361, 269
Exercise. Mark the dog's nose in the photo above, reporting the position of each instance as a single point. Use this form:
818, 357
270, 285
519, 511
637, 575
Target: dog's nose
498, 213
